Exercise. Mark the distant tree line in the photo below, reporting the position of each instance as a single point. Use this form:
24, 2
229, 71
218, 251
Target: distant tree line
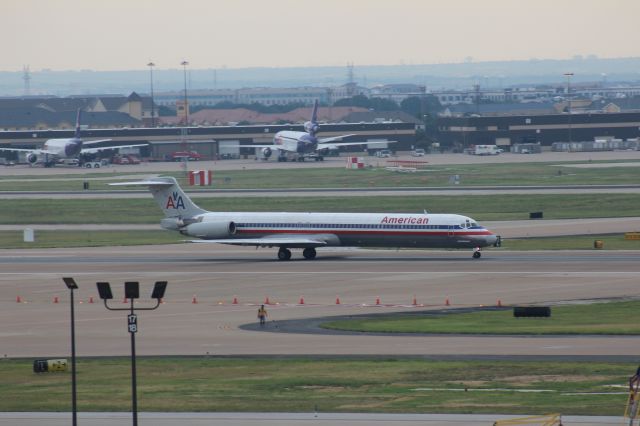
416, 106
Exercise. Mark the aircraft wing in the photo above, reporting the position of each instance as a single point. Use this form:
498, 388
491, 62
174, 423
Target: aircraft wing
95, 141
260, 146
335, 138
293, 241
35, 151
324, 145
104, 148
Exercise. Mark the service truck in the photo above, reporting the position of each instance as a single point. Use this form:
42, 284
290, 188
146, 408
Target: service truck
486, 150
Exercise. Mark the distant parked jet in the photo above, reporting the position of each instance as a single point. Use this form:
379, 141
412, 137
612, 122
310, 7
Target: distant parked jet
304, 144
64, 148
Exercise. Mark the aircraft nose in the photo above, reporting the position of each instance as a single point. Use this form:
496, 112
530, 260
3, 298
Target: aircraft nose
491, 240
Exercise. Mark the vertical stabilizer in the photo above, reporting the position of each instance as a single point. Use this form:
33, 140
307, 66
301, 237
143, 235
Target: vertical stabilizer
77, 134
311, 126
169, 196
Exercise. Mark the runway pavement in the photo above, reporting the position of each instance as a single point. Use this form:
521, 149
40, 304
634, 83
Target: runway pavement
215, 275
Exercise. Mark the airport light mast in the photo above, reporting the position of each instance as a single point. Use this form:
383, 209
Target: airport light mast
185, 130
132, 292
569, 75
153, 114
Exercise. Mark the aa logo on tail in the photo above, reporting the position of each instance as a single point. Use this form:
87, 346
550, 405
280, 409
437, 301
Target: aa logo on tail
174, 201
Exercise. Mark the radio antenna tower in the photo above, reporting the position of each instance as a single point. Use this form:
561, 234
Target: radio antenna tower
351, 89
26, 76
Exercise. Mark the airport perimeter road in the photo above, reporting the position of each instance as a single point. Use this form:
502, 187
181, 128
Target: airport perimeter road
280, 419
214, 275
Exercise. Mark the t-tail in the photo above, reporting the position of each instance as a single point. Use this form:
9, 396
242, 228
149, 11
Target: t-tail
177, 207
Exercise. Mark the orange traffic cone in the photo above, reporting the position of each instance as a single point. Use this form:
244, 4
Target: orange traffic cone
125, 300
499, 303
446, 301
194, 300
266, 301
55, 299
235, 300
378, 300
301, 300
337, 300
415, 301
18, 299
91, 299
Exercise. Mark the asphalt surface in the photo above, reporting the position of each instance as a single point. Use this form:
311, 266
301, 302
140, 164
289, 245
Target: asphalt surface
216, 275
277, 419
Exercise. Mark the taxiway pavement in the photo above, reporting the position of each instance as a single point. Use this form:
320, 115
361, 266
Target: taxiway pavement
214, 275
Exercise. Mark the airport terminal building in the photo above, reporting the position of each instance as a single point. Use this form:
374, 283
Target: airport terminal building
545, 129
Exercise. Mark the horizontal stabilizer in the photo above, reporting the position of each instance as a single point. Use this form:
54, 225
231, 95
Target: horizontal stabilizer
149, 182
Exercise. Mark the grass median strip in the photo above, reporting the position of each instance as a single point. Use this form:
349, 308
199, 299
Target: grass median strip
480, 207
387, 384
58, 239
616, 318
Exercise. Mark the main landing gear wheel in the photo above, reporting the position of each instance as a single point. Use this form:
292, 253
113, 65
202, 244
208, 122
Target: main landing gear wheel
309, 253
284, 254
477, 254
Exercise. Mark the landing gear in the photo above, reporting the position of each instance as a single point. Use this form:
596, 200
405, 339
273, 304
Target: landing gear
309, 253
476, 253
284, 254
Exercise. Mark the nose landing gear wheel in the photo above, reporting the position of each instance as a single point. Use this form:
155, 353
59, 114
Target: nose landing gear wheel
309, 253
284, 254
476, 255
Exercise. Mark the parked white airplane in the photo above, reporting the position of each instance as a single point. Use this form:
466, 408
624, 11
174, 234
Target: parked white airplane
304, 144
64, 148
308, 231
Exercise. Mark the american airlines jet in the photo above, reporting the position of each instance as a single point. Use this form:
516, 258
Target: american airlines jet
308, 231
55, 149
303, 144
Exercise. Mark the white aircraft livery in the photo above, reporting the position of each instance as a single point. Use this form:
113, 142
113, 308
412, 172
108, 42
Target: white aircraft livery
55, 149
309, 231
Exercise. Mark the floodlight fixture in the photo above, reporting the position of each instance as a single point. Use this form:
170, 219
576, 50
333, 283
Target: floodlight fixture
158, 290
70, 283
104, 290
132, 290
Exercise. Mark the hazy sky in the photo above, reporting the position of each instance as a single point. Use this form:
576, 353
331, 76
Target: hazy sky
126, 34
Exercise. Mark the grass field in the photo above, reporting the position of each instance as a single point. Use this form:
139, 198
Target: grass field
50, 239
470, 175
480, 207
390, 385
600, 318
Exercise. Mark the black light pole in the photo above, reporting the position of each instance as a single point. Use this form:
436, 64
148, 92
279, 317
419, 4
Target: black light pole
132, 292
569, 75
153, 115
186, 109
71, 285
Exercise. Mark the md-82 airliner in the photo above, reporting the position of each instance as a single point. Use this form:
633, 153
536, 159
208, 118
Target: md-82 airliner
308, 231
